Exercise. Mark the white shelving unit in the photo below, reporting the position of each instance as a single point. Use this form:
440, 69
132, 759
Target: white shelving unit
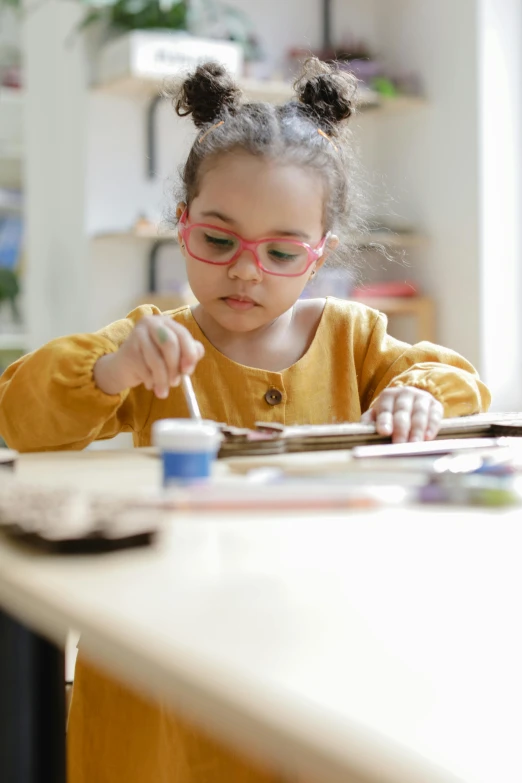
11, 132
11, 177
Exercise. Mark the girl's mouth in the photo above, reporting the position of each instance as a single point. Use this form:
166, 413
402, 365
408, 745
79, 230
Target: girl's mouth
239, 302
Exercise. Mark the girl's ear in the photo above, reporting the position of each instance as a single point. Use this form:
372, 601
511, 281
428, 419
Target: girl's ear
180, 208
332, 244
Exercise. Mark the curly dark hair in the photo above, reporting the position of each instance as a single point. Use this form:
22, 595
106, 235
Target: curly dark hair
309, 131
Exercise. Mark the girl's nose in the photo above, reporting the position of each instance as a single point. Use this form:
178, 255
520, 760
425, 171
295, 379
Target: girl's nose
245, 268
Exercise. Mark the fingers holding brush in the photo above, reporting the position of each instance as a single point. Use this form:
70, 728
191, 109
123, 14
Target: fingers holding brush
156, 354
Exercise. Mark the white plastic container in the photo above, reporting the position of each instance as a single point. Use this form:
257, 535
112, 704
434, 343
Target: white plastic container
150, 54
188, 448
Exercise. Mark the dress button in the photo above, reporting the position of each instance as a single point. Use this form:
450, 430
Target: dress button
273, 396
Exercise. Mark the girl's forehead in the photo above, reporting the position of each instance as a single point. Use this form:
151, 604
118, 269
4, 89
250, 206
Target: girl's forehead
254, 190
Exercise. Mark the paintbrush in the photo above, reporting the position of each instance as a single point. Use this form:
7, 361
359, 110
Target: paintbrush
190, 397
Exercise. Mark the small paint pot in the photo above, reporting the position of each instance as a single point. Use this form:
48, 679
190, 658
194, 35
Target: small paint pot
188, 448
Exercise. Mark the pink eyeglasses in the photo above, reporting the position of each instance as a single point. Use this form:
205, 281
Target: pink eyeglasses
218, 246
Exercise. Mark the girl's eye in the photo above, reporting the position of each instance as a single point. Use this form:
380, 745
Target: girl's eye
224, 242
280, 255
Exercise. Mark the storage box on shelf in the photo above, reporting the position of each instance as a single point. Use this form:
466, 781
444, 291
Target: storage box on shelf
153, 55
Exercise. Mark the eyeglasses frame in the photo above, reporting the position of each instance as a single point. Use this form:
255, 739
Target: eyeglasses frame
314, 253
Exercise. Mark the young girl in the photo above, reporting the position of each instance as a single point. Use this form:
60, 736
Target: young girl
267, 198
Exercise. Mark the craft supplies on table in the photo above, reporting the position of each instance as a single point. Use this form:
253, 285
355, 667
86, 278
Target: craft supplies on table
473, 490
491, 478
488, 473
274, 438
187, 446
424, 448
67, 520
284, 468
8, 459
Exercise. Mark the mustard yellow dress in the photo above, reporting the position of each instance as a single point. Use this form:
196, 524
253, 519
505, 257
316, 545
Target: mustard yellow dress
48, 400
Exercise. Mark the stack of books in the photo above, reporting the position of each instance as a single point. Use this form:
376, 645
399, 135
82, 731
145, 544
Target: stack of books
269, 438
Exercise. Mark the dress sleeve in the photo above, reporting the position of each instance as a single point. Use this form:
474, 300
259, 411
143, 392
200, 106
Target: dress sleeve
386, 362
49, 401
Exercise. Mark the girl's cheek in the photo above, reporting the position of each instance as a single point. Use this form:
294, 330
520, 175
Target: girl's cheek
206, 278
296, 286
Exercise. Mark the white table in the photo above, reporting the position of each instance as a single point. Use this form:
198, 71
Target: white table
377, 647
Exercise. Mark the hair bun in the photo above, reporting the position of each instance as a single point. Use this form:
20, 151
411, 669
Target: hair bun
328, 93
207, 94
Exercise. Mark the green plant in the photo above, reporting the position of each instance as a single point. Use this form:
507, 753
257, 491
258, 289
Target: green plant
9, 291
128, 14
210, 18
122, 15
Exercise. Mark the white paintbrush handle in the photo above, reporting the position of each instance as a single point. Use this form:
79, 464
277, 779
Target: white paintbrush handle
190, 397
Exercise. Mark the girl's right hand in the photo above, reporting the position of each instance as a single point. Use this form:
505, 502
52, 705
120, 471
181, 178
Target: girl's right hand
155, 354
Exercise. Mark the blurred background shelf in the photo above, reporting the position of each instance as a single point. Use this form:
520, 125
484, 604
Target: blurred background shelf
11, 201
271, 91
393, 239
420, 308
11, 170
389, 239
15, 341
11, 95
11, 111
11, 134
151, 232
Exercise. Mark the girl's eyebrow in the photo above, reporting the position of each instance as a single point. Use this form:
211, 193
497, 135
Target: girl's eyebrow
301, 234
219, 215
212, 213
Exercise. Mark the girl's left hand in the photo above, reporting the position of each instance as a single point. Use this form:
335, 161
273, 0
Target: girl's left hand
405, 413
